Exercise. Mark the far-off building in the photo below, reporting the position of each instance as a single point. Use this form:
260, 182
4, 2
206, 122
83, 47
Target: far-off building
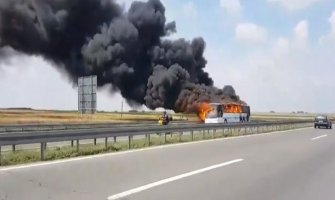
87, 94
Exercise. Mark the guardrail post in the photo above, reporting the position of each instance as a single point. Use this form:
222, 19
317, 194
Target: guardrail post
42, 151
106, 142
214, 131
77, 145
180, 136
149, 139
95, 141
114, 139
13, 147
71, 143
164, 138
192, 138
203, 134
0, 157
129, 142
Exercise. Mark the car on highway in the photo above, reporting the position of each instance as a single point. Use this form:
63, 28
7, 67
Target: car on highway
322, 121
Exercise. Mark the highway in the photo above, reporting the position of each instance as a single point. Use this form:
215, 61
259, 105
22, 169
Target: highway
297, 164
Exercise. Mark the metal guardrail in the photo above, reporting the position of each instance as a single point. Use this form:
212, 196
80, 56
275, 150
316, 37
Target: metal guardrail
50, 127
44, 137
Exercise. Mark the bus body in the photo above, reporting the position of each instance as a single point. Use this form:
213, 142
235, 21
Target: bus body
227, 113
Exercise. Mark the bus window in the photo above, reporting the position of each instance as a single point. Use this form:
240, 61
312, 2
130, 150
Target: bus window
232, 108
219, 111
213, 113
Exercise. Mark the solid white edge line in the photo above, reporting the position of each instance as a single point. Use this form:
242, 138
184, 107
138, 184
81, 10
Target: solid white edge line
46, 163
322, 136
171, 179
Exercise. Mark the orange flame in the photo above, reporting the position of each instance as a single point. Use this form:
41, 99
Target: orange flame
232, 108
203, 110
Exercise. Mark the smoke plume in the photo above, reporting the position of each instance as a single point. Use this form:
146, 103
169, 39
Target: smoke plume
125, 49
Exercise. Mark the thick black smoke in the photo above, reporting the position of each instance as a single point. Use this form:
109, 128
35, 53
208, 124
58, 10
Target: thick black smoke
125, 49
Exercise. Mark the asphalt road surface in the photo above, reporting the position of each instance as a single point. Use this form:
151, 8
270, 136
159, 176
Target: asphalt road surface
296, 164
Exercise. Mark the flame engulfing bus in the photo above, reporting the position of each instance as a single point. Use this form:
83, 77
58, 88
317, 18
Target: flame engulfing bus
224, 113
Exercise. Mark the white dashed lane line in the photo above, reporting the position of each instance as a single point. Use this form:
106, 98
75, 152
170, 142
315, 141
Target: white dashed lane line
168, 180
319, 137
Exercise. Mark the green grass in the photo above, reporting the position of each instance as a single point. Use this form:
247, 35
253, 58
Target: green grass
55, 153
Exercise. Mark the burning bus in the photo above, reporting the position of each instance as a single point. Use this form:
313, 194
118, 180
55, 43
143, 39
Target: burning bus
223, 112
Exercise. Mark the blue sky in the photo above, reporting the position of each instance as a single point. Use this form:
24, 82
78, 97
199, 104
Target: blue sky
271, 51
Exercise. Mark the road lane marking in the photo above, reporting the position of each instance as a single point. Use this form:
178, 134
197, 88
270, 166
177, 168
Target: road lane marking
83, 158
319, 137
171, 179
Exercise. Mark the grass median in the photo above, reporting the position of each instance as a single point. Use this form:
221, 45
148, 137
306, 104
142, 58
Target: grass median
55, 153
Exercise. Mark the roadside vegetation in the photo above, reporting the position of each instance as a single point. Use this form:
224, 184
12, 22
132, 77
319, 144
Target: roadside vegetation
27, 116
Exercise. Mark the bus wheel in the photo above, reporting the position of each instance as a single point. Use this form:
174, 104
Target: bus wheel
225, 121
